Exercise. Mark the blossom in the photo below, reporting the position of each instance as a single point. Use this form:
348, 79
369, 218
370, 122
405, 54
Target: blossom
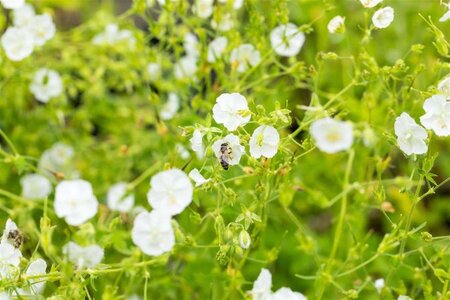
186, 67
153, 233
119, 199
37, 267
224, 23
23, 15
9, 258
337, 24
112, 35
231, 110
379, 284
57, 159
244, 239
42, 28
264, 142
197, 143
444, 86
171, 191
204, 8
437, 115
331, 135
4, 296
243, 56
182, 151
46, 84
18, 43
445, 17
154, 71
370, 3
383, 17
35, 186
236, 3
197, 177
285, 293
237, 150
410, 136
191, 45
403, 297
75, 201
287, 40
170, 108
262, 286
12, 4
83, 257
216, 48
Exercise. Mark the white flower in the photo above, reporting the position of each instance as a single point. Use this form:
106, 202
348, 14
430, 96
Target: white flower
444, 86
191, 45
237, 150
154, 71
264, 142
10, 226
225, 22
182, 151
231, 110
57, 159
287, 40
75, 201
337, 24
331, 135
18, 43
112, 35
383, 17
186, 67
262, 286
46, 84
197, 143
236, 3
35, 186
244, 239
379, 284
118, 198
410, 136
403, 297
285, 293
36, 268
216, 48
83, 257
204, 8
12, 4
171, 191
23, 15
370, 3
152, 232
9, 259
243, 56
42, 28
171, 107
4, 296
437, 115
197, 177
445, 17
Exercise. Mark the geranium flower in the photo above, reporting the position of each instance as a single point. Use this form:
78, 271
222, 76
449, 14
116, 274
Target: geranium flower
216, 48
410, 136
186, 67
112, 35
285, 293
331, 135
35, 186
337, 24
197, 143
170, 108
23, 15
46, 84
231, 110
18, 43
83, 257
152, 232
224, 23
75, 201
444, 86
237, 150
437, 115
287, 40
262, 286
12, 4
171, 191
42, 28
154, 71
197, 177
383, 17
236, 3
37, 267
370, 3
204, 8
243, 56
379, 285
118, 198
264, 142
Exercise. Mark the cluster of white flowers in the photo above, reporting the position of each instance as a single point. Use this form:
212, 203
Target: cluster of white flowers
10, 256
113, 35
46, 84
170, 193
262, 289
231, 110
29, 30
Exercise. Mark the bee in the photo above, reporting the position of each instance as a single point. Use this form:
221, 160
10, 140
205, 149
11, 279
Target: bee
225, 155
16, 237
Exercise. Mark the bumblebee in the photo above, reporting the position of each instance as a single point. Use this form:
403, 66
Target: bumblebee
225, 155
16, 238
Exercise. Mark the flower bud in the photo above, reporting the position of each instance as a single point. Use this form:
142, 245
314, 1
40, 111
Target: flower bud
244, 239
